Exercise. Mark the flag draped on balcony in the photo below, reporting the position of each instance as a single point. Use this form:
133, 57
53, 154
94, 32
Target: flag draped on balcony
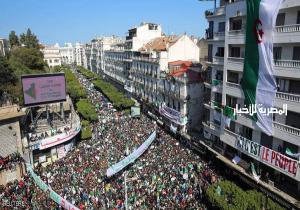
258, 82
228, 115
215, 84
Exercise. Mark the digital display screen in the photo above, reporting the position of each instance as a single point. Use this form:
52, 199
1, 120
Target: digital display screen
43, 88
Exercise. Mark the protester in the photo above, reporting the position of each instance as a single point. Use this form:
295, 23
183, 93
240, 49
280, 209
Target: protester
166, 176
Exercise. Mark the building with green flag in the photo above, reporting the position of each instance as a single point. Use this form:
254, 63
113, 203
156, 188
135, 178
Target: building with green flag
254, 49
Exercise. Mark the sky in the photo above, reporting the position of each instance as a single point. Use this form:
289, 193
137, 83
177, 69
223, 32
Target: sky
60, 21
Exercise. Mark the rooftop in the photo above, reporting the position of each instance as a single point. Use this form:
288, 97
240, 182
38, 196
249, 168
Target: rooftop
179, 68
160, 43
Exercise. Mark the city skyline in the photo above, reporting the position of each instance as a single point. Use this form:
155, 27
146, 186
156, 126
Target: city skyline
66, 23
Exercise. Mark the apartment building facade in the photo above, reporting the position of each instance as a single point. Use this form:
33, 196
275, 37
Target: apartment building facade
226, 46
67, 54
52, 55
165, 72
4, 47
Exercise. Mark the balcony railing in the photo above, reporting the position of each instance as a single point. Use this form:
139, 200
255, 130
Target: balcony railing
277, 63
288, 97
286, 128
146, 59
236, 59
288, 28
218, 34
217, 11
234, 85
288, 63
218, 60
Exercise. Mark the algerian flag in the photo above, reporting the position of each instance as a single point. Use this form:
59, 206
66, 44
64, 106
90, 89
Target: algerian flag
229, 115
290, 153
256, 177
258, 80
215, 84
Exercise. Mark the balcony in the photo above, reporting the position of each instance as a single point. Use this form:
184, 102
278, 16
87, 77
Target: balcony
236, 64
283, 68
212, 128
39, 141
233, 138
146, 59
218, 60
287, 34
287, 68
292, 100
215, 12
219, 36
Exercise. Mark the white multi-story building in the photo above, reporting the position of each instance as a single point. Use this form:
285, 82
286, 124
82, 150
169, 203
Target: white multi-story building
87, 56
67, 54
52, 55
114, 63
79, 54
4, 47
226, 44
166, 72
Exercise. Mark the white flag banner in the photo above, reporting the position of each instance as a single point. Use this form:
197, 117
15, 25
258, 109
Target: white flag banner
132, 157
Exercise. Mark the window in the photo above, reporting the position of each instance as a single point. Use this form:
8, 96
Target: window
210, 48
298, 17
218, 97
280, 19
219, 75
277, 53
235, 24
231, 101
210, 32
232, 77
296, 53
221, 27
246, 132
266, 140
235, 52
220, 52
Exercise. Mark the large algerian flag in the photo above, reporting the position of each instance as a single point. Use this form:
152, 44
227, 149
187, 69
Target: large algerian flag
258, 80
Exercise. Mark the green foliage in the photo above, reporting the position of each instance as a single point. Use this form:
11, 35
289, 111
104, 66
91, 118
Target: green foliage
119, 100
86, 110
87, 73
74, 89
13, 39
7, 76
29, 40
233, 197
86, 132
29, 57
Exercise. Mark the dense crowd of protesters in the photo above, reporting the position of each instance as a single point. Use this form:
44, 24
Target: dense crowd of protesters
10, 161
166, 176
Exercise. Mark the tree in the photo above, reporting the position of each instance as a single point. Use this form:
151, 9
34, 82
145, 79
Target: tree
7, 76
13, 39
29, 40
30, 57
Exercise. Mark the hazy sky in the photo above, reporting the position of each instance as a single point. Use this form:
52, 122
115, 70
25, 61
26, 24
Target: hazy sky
81, 20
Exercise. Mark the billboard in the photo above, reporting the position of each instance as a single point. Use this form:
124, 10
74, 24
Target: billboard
43, 88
